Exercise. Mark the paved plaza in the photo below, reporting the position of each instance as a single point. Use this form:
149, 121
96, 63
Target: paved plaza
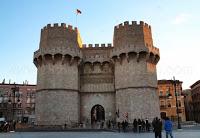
177, 134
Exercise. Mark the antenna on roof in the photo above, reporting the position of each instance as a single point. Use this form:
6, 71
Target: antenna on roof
3, 82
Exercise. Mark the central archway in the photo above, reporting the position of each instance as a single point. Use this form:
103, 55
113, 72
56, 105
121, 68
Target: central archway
97, 114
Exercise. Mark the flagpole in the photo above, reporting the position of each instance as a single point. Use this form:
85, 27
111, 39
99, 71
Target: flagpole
76, 20
77, 12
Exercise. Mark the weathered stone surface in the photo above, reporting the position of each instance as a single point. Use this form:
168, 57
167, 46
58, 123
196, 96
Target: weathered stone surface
138, 103
88, 100
56, 107
73, 78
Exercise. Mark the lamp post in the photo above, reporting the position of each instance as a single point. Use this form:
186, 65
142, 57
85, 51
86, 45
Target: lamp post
15, 93
1, 102
179, 125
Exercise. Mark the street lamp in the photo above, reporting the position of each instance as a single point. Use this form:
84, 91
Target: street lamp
179, 125
15, 93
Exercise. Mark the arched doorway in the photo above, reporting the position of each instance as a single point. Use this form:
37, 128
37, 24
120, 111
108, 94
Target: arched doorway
97, 114
163, 115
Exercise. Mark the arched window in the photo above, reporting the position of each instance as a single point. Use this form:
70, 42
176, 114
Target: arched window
179, 103
168, 104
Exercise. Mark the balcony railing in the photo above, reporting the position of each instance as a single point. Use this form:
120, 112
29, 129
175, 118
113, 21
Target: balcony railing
169, 96
179, 110
163, 97
163, 107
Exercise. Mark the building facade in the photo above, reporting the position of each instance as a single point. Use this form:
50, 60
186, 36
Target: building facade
17, 102
189, 113
168, 104
195, 89
78, 83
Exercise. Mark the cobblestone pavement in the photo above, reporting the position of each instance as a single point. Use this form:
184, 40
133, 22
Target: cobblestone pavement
176, 133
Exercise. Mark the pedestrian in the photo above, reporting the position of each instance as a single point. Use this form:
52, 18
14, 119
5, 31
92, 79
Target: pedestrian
109, 124
168, 127
113, 124
143, 125
126, 124
119, 126
139, 125
135, 125
147, 125
102, 124
65, 125
157, 127
14, 125
123, 126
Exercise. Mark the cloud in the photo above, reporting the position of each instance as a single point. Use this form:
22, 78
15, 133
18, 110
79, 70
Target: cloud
181, 18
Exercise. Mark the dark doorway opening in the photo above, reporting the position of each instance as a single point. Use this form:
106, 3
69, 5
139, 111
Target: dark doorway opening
163, 115
97, 114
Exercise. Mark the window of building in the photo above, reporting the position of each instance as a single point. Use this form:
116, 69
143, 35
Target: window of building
162, 103
179, 103
161, 93
168, 104
28, 94
15, 112
26, 112
32, 94
20, 94
33, 112
20, 105
5, 105
167, 93
19, 112
14, 105
1, 114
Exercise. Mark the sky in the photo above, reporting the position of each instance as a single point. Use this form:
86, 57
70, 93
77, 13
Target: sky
175, 29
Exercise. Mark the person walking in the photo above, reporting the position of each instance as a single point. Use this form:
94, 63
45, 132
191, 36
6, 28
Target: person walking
157, 127
168, 127
147, 125
143, 125
135, 125
119, 126
139, 125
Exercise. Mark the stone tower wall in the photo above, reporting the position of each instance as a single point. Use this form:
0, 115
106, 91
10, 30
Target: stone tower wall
135, 61
57, 61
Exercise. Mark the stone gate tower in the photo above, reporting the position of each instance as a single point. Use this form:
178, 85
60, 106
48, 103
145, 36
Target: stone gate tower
78, 83
135, 60
57, 62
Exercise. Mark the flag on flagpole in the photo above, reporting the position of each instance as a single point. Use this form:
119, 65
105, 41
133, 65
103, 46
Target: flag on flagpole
78, 11
78, 34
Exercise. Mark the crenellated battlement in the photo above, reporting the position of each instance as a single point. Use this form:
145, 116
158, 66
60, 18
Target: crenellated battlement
60, 35
132, 33
96, 45
132, 24
62, 25
154, 50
